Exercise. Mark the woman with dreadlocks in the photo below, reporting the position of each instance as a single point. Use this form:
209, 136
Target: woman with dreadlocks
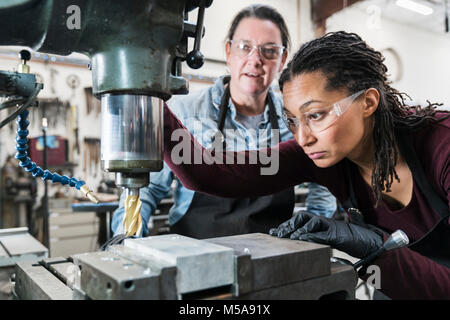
387, 163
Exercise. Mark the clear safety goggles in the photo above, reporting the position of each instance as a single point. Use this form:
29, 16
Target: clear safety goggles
244, 48
322, 117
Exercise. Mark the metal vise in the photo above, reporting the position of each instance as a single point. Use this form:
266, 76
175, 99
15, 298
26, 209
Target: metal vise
252, 266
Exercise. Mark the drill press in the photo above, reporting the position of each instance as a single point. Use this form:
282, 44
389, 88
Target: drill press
136, 50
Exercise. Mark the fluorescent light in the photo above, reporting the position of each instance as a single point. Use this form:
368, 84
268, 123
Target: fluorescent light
414, 6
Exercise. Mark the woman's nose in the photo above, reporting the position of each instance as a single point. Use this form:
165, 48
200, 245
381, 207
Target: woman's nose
304, 136
255, 56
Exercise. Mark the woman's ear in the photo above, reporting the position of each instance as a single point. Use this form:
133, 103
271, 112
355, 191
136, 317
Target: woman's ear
371, 102
283, 61
227, 51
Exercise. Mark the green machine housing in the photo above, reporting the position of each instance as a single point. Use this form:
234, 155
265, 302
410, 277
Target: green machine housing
135, 48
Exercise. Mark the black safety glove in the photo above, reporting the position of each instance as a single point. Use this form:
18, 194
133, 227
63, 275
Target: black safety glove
353, 239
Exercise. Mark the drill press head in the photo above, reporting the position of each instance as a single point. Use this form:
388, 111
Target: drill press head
136, 49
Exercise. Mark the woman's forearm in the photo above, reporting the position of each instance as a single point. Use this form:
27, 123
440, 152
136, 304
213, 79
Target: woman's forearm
229, 174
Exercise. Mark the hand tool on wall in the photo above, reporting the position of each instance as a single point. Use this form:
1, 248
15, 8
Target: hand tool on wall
74, 112
53, 73
92, 155
73, 81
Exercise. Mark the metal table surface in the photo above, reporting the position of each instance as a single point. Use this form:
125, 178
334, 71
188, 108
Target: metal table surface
103, 207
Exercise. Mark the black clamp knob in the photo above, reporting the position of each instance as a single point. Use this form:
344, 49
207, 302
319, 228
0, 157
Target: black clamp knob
195, 58
25, 55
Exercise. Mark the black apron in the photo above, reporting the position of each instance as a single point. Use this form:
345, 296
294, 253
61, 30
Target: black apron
210, 216
435, 244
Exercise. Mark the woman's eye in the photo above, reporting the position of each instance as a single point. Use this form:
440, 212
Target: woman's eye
292, 124
269, 51
315, 116
244, 47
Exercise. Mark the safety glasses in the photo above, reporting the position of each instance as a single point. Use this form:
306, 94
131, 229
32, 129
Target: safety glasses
244, 48
320, 118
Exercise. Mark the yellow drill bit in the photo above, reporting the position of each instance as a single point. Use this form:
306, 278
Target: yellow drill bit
132, 221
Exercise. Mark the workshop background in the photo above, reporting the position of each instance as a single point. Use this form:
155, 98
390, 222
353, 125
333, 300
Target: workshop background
416, 46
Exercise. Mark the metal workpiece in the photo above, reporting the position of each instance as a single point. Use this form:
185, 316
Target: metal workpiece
64, 270
264, 261
167, 271
200, 265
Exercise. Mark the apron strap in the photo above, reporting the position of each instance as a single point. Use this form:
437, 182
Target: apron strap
272, 113
224, 104
406, 148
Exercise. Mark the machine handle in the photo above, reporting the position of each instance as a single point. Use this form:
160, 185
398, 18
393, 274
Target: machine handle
195, 58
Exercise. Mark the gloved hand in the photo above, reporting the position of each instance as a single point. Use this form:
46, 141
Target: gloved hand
353, 239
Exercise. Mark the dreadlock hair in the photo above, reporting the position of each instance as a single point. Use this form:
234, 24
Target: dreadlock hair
348, 62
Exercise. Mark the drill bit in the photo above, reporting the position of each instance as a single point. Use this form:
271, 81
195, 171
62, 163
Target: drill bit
132, 221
